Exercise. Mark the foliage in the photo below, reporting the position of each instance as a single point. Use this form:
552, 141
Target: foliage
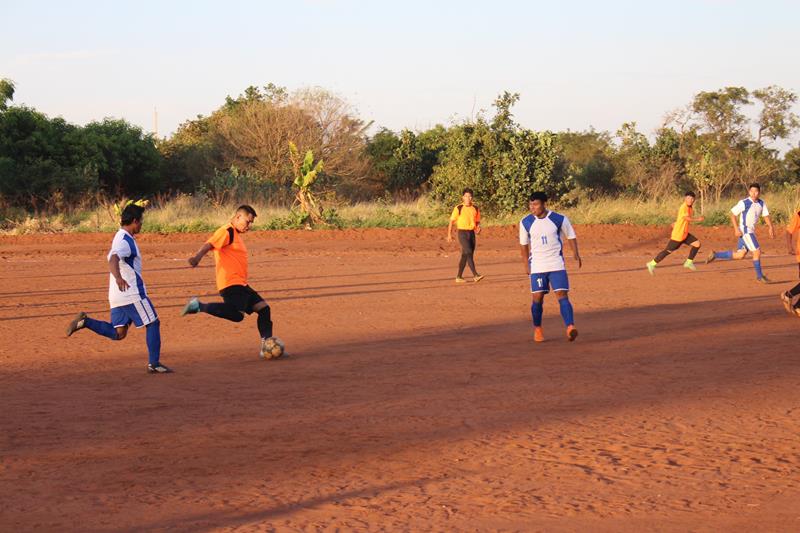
501, 161
306, 173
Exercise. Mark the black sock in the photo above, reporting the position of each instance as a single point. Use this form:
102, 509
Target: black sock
693, 252
223, 310
265, 323
661, 255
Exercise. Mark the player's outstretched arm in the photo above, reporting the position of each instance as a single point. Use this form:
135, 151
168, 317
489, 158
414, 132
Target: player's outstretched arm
195, 259
525, 252
573, 243
113, 265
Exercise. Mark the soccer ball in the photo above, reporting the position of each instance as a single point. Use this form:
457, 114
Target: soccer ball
272, 348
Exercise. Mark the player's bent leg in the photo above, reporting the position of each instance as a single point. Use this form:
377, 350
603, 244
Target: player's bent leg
222, 310
105, 329
694, 247
122, 332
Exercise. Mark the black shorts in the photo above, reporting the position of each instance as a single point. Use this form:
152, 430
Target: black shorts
674, 245
241, 297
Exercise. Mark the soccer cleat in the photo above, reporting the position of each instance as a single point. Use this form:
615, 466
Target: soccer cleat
263, 349
158, 368
192, 307
711, 256
689, 264
572, 333
79, 322
786, 300
460, 280
763, 279
651, 267
538, 334
477, 278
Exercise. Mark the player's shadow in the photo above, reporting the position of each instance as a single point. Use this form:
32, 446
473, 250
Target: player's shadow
368, 398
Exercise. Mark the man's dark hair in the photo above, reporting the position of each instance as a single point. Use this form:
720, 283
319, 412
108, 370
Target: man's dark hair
131, 213
689, 193
467, 190
756, 185
538, 195
244, 208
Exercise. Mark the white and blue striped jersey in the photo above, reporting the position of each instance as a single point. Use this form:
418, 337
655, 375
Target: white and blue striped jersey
130, 267
545, 237
749, 212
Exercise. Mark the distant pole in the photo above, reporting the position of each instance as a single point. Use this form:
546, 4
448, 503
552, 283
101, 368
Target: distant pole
155, 122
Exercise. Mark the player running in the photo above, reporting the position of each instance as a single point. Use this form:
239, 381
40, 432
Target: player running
541, 237
230, 256
680, 235
467, 219
127, 295
788, 297
749, 211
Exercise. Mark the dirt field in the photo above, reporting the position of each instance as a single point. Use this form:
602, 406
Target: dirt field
409, 403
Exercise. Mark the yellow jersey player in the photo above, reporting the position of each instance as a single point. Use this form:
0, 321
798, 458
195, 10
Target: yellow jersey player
680, 235
467, 218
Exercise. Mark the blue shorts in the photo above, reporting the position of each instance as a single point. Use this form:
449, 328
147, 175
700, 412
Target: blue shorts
748, 242
141, 313
544, 281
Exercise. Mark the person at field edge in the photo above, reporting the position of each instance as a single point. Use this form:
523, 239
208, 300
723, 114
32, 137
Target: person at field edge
467, 218
127, 295
749, 211
791, 298
230, 256
680, 235
541, 239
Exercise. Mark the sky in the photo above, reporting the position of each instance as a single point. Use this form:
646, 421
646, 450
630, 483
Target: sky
409, 64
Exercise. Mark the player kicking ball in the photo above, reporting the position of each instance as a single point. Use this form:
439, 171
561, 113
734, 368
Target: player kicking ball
126, 293
749, 211
541, 237
680, 235
791, 298
230, 256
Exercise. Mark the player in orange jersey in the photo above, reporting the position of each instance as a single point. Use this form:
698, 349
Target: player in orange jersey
680, 235
230, 255
791, 298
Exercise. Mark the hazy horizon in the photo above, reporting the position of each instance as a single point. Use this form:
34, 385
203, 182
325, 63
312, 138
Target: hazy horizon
577, 65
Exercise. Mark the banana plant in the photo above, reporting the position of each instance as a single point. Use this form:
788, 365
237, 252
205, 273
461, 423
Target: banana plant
305, 174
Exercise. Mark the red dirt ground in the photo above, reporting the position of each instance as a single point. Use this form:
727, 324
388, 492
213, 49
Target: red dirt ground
409, 403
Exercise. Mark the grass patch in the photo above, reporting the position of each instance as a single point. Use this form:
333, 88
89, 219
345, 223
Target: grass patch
187, 213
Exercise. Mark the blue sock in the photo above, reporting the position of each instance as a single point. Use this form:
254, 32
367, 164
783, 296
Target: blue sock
153, 336
724, 255
537, 310
566, 311
101, 328
757, 266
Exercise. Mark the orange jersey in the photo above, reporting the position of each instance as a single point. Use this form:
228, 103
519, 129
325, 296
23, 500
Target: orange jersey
466, 217
681, 228
230, 256
794, 227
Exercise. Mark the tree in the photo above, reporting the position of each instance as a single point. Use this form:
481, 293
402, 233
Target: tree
305, 174
502, 162
776, 120
6, 93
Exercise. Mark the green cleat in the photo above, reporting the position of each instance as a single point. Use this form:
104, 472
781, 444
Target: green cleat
651, 267
689, 264
192, 307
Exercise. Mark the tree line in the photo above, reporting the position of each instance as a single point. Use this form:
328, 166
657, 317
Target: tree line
719, 140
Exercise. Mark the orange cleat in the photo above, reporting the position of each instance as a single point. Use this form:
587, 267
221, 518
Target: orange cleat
538, 334
572, 333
